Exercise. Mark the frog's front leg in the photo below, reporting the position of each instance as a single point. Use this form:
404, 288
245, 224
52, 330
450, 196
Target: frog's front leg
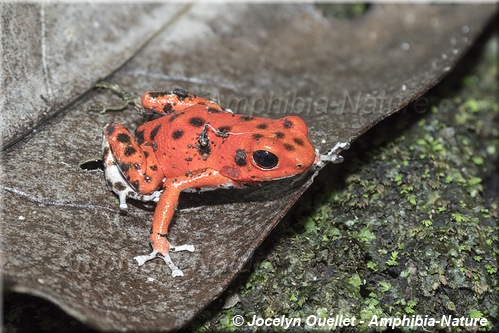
333, 155
130, 169
166, 208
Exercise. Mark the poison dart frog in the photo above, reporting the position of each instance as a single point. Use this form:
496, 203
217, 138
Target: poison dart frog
198, 144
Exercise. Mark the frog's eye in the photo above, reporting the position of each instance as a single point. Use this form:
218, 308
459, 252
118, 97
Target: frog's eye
265, 159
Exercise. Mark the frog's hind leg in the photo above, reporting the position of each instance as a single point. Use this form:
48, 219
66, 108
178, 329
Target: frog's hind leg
137, 166
165, 103
127, 98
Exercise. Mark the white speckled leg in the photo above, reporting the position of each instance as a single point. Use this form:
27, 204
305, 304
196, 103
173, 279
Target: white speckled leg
141, 260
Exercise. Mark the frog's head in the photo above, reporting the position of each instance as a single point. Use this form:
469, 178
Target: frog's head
275, 149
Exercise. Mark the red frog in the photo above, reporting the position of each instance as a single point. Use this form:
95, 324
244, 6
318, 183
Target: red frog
198, 144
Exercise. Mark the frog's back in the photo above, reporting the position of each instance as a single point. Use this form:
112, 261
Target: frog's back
187, 140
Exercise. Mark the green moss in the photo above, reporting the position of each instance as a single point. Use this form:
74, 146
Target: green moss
407, 225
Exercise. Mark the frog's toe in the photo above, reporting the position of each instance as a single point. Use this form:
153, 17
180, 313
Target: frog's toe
141, 260
122, 197
166, 258
185, 247
175, 270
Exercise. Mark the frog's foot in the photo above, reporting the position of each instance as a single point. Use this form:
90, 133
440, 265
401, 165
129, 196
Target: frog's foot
102, 109
141, 260
127, 99
120, 91
333, 155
